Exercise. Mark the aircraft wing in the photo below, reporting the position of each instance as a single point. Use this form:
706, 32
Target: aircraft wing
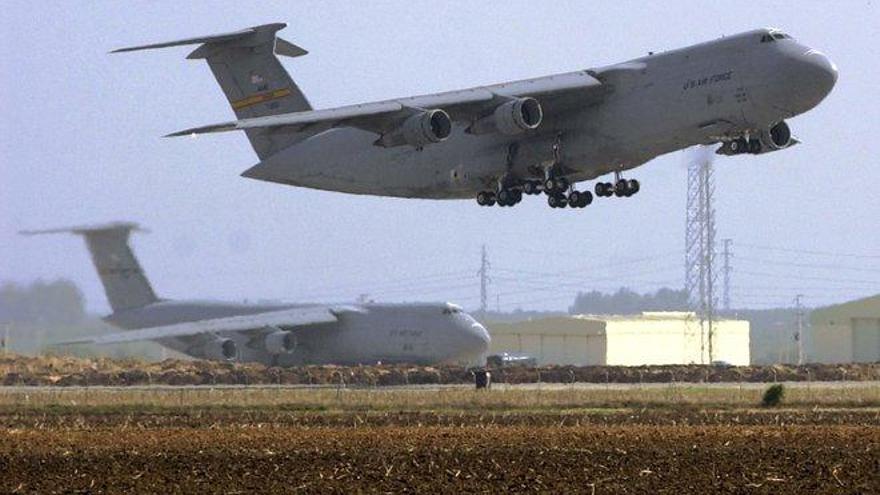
284, 319
468, 105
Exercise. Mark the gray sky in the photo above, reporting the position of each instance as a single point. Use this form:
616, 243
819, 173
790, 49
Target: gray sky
80, 143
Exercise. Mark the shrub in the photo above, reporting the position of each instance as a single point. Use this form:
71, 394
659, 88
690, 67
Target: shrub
773, 395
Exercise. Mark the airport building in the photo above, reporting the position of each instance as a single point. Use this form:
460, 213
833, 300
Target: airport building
846, 333
645, 339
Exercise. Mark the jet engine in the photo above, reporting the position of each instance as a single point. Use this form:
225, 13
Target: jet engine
220, 349
777, 137
280, 342
510, 118
430, 126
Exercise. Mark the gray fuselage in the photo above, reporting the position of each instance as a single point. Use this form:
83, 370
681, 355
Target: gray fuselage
702, 94
418, 333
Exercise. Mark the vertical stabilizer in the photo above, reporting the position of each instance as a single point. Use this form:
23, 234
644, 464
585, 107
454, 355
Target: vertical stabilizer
246, 66
124, 281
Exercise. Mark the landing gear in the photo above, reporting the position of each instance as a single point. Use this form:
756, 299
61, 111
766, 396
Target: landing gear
580, 199
486, 198
504, 197
531, 187
557, 201
743, 145
555, 185
621, 188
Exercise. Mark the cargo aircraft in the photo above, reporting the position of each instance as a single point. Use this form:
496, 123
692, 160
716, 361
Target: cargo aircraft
273, 334
496, 143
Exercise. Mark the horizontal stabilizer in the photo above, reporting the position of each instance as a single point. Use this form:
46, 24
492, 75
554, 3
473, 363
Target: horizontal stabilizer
246, 37
85, 229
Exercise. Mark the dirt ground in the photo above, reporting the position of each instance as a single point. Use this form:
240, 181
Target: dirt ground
221, 450
69, 371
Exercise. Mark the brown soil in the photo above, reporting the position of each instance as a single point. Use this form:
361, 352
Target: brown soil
213, 451
67, 371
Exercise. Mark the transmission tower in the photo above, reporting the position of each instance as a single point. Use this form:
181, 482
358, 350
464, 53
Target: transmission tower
725, 300
700, 276
484, 282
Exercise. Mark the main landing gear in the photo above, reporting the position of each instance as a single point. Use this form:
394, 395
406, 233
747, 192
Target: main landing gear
621, 187
504, 197
560, 194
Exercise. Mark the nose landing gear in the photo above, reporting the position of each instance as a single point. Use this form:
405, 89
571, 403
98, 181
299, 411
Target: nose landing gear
743, 145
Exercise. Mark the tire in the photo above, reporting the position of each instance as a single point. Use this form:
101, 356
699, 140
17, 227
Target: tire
735, 146
620, 188
529, 187
586, 199
517, 196
549, 186
574, 199
482, 198
599, 189
634, 186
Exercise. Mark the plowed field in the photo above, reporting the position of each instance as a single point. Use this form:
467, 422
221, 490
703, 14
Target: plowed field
273, 450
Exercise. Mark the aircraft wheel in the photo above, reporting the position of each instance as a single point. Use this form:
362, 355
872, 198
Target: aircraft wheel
600, 189
586, 199
575, 198
620, 189
736, 146
483, 198
634, 186
530, 187
556, 201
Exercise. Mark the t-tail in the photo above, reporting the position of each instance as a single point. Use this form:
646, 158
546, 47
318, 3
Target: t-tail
124, 281
253, 79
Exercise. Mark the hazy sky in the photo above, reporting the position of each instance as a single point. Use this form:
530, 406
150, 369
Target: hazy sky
80, 143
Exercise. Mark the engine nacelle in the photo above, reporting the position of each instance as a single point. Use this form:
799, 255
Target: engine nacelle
511, 118
221, 349
280, 342
777, 137
428, 127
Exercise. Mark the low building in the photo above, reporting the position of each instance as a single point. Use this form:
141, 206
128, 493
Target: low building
648, 338
845, 333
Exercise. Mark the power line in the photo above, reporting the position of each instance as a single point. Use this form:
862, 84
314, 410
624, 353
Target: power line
786, 276
807, 251
810, 265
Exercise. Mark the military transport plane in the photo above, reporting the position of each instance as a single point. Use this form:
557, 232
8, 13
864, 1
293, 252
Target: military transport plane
276, 334
498, 142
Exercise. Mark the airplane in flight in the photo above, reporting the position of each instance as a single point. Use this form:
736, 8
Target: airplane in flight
273, 334
496, 143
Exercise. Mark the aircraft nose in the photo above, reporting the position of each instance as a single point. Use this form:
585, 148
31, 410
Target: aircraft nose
478, 337
817, 75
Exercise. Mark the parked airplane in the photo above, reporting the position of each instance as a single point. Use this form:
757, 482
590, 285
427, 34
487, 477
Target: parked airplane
276, 334
499, 142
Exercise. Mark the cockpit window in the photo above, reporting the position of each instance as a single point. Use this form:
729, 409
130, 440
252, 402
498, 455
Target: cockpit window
451, 311
769, 38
